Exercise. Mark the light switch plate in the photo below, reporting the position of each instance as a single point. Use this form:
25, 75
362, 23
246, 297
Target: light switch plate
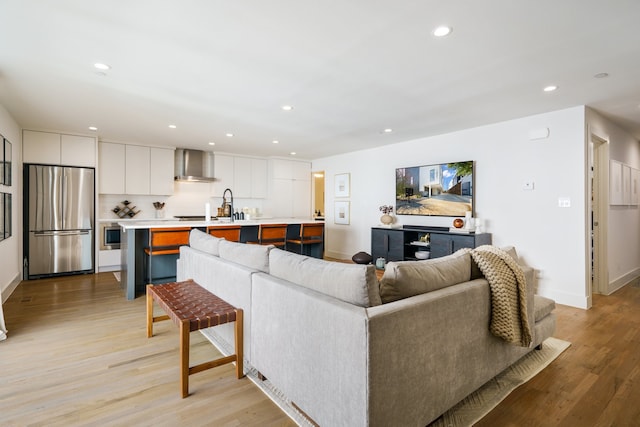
564, 202
528, 185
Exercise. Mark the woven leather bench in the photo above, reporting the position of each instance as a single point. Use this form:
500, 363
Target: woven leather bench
191, 307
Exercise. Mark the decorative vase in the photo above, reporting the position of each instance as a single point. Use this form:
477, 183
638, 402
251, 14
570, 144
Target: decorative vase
386, 219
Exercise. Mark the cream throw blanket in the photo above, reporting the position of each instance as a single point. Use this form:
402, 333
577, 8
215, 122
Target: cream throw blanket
508, 285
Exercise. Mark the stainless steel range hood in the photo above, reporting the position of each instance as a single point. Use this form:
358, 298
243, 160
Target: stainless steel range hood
193, 165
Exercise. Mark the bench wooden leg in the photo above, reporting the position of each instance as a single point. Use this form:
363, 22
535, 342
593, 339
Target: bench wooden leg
149, 312
184, 357
239, 343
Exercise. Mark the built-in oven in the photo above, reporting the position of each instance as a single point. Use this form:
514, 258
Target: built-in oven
109, 236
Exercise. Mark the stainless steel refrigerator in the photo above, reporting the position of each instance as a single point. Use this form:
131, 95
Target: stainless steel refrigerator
59, 211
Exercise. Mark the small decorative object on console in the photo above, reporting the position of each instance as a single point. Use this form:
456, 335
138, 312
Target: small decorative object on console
458, 223
386, 218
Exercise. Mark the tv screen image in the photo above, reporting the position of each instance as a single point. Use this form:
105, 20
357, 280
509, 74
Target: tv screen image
444, 189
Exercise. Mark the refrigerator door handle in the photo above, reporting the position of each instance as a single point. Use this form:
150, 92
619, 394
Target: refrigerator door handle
60, 233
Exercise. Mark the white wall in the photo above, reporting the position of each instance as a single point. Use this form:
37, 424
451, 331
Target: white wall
623, 237
10, 249
548, 238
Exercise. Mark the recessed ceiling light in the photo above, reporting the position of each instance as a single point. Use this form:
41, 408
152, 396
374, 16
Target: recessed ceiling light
229, 135
275, 141
388, 130
93, 128
212, 143
101, 66
550, 88
287, 107
601, 75
293, 153
442, 31
172, 126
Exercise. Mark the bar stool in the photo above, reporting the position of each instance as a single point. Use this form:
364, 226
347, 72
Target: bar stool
227, 232
311, 234
163, 242
272, 234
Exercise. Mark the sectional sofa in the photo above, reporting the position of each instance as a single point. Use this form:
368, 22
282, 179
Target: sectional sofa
319, 332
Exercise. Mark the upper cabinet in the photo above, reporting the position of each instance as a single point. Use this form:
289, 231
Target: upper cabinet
161, 171
245, 176
58, 149
111, 172
135, 169
290, 188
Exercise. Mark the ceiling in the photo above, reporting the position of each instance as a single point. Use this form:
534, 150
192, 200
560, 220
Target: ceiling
349, 69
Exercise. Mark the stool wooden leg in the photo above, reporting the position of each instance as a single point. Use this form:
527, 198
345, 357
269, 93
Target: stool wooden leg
184, 357
149, 312
239, 343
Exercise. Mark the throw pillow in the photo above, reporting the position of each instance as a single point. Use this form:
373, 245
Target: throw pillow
204, 242
404, 279
353, 283
252, 256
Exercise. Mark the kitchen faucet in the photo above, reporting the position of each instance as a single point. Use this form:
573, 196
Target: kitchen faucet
224, 200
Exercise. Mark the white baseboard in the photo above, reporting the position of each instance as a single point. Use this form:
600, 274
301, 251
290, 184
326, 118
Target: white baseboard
622, 280
6, 293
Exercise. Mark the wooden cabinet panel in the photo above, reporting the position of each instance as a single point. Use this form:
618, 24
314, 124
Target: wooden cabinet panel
259, 177
77, 150
395, 244
40, 147
111, 168
387, 244
224, 173
137, 169
242, 177
301, 199
161, 171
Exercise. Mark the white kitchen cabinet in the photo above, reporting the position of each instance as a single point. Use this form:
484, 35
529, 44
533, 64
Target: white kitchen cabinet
77, 150
111, 168
40, 147
161, 171
137, 169
58, 149
242, 177
223, 170
301, 203
290, 192
259, 179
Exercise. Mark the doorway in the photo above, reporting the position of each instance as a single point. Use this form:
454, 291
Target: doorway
317, 194
598, 212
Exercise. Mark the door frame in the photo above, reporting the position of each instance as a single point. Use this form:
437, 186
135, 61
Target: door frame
598, 186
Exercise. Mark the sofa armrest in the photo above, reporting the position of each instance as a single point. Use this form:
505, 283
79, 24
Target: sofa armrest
428, 352
313, 348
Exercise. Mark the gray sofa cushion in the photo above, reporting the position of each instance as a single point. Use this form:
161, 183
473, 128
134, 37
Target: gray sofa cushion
542, 307
204, 242
252, 256
353, 283
405, 279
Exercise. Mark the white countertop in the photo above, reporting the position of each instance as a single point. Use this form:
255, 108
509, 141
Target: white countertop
166, 223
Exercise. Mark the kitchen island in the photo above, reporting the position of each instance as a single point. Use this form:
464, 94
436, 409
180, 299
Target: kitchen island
135, 237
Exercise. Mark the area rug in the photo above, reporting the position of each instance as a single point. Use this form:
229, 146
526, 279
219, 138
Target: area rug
482, 401
464, 414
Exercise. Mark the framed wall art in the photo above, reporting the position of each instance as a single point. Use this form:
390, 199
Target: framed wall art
341, 213
342, 183
5, 166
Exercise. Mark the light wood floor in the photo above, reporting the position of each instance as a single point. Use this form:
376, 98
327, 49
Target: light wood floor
77, 354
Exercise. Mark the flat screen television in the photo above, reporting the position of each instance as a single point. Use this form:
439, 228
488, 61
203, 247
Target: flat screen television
444, 189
